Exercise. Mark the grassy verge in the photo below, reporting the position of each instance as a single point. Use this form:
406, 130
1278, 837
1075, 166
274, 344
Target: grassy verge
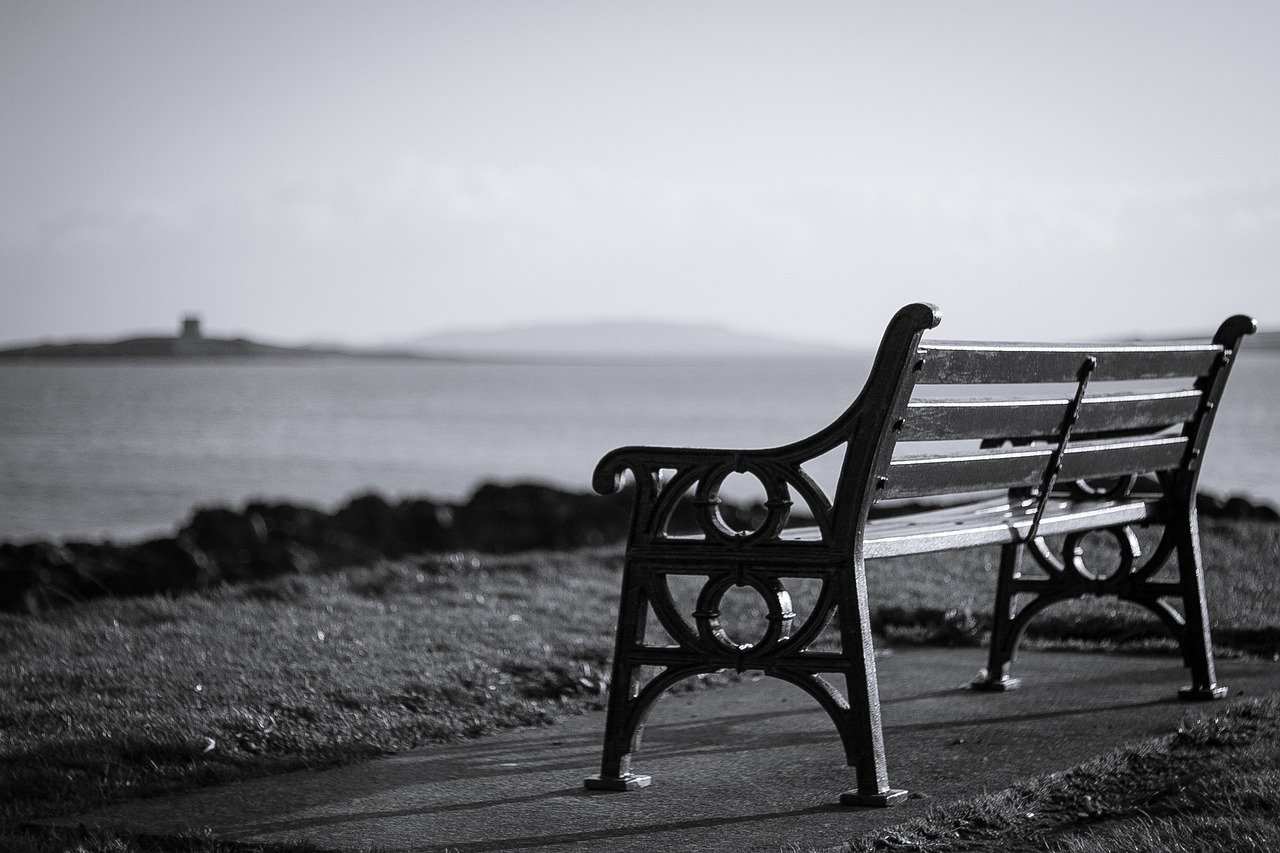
125, 698
1213, 787
118, 699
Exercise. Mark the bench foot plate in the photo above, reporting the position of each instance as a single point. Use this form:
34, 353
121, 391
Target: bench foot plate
1192, 693
891, 797
626, 782
994, 685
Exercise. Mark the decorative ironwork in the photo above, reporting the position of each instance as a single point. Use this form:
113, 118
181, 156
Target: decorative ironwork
1067, 576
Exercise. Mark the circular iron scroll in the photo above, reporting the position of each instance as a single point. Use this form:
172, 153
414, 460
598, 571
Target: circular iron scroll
777, 620
777, 504
1113, 489
1130, 551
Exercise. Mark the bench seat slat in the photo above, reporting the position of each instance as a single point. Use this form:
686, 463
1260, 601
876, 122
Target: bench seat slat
923, 476
959, 363
996, 522
945, 419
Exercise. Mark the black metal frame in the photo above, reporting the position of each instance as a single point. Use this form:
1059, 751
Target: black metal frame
760, 558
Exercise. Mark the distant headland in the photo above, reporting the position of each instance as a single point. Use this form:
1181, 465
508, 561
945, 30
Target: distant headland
545, 343
191, 343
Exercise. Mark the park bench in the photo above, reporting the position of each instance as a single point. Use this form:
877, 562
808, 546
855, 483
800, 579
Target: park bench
1026, 447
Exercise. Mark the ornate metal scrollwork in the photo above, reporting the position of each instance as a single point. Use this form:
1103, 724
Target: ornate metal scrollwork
708, 636
778, 617
1080, 573
1070, 569
782, 483
1111, 490
1069, 576
777, 504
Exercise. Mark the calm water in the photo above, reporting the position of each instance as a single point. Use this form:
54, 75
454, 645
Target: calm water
126, 449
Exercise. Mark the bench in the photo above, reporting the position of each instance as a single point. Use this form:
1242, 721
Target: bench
1025, 447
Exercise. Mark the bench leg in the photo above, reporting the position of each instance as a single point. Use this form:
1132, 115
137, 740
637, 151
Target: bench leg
622, 729
1198, 646
857, 718
860, 729
1004, 640
864, 748
622, 732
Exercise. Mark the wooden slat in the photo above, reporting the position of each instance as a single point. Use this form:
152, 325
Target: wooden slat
1107, 412
964, 363
926, 532
1114, 459
921, 476
945, 420
924, 476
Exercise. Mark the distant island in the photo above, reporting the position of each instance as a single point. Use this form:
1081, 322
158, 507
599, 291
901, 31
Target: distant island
627, 340
190, 343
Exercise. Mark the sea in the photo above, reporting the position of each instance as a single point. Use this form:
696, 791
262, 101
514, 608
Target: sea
126, 449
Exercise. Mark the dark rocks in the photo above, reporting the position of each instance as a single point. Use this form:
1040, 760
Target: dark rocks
1235, 508
527, 516
266, 541
41, 575
412, 526
163, 565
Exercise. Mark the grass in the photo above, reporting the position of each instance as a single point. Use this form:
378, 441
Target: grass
118, 699
126, 698
1214, 785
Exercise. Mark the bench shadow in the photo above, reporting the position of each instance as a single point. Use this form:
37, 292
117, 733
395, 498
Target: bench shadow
684, 740
302, 826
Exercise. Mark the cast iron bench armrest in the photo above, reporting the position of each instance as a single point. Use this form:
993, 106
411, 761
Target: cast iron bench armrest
645, 462
664, 477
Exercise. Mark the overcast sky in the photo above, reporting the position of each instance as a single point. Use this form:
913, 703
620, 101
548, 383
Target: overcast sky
372, 171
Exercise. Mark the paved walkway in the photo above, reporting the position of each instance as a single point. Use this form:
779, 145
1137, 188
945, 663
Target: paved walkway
755, 766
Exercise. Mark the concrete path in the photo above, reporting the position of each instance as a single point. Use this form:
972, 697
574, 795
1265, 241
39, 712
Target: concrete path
752, 767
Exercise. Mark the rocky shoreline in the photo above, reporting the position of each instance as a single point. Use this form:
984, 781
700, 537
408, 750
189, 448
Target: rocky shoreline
218, 545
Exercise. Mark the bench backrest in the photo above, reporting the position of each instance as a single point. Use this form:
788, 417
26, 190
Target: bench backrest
968, 417
940, 418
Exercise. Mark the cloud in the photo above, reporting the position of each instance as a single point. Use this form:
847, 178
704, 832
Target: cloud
547, 212
100, 227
